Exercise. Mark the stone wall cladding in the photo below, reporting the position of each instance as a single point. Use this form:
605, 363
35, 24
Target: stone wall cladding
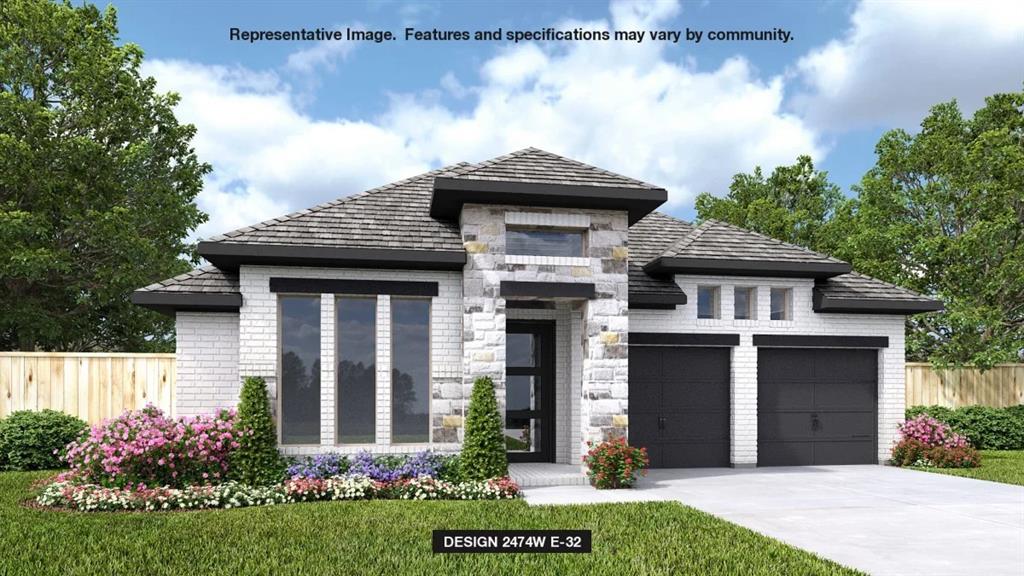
206, 357
604, 326
257, 334
805, 321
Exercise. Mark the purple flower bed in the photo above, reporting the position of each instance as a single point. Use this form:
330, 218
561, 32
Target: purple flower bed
386, 468
319, 467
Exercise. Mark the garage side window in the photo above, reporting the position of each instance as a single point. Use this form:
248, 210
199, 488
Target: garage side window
782, 303
707, 301
299, 366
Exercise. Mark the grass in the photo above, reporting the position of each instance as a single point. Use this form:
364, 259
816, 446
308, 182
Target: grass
378, 537
1006, 466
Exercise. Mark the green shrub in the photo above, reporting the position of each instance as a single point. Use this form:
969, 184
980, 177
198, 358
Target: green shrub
483, 450
257, 461
32, 440
987, 428
451, 468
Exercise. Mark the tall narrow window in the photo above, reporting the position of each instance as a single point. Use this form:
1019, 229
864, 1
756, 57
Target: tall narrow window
299, 318
410, 370
707, 302
356, 338
745, 303
782, 304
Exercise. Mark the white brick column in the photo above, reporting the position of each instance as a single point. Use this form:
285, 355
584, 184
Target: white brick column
743, 409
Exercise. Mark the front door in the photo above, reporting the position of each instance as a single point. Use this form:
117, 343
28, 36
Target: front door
530, 391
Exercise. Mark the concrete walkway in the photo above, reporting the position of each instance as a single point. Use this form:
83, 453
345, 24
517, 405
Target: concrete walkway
878, 519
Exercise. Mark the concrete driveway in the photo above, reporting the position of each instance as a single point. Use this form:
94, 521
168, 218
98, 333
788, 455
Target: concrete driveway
878, 519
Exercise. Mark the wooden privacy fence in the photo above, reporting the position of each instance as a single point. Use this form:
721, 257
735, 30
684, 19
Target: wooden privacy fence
90, 386
1001, 386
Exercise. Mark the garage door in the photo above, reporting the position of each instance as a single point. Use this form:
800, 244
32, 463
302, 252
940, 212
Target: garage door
679, 405
816, 406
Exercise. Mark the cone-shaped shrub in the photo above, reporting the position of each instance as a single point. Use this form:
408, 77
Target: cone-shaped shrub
257, 461
483, 449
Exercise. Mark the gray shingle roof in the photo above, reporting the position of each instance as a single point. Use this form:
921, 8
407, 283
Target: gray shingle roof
720, 241
860, 287
647, 239
394, 216
540, 167
203, 280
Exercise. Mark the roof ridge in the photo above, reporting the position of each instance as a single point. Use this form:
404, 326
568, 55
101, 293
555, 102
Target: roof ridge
335, 202
535, 150
688, 239
774, 240
889, 284
671, 217
197, 271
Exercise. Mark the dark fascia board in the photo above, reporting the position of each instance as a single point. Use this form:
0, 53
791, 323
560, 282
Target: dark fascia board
361, 287
171, 302
817, 341
641, 300
736, 267
823, 303
574, 290
451, 193
229, 255
670, 339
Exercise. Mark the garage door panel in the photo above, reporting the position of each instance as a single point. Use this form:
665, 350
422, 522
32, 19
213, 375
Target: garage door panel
694, 396
827, 453
787, 395
785, 453
785, 425
644, 363
817, 406
696, 426
695, 455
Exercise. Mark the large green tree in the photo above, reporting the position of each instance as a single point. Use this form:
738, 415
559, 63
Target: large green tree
942, 212
98, 182
794, 204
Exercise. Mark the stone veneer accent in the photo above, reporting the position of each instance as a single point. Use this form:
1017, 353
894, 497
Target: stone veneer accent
604, 325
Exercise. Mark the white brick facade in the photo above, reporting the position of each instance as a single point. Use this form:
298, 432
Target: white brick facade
805, 321
207, 362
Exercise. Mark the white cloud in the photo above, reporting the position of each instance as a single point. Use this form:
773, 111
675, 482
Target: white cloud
325, 53
900, 58
624, 107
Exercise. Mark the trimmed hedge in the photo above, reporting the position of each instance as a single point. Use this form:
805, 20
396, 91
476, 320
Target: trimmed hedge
31, 440
987, 428
256, 462
483, 450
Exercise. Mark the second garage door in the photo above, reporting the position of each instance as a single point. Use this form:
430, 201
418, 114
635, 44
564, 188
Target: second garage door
679, 405
816, 406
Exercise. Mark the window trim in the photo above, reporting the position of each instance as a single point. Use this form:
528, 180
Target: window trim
716, 302
430, 371
787, 304
751, 302
279, 376
584, 249
376, 359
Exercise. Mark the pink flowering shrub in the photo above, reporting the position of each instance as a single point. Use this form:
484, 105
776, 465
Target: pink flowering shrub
925, 441
145, 448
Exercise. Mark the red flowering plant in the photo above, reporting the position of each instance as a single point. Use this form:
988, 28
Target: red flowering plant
927, 442
615, 464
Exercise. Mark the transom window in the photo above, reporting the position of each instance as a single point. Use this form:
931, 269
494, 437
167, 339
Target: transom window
782, 303
744, 303
708, 301
544, 242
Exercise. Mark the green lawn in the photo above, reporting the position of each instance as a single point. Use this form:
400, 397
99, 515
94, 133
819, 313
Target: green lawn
378, 537
1005, 466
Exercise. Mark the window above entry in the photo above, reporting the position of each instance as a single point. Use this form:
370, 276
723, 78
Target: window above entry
544, 242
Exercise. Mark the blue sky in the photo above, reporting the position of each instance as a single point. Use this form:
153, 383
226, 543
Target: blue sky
290, 124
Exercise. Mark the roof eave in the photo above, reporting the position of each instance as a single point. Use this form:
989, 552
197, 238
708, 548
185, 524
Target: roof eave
230, 255
737, 267
451, 193
824, 303
656, 301
171, 302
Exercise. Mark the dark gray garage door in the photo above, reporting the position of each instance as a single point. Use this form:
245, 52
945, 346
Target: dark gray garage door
679, 405
816, 406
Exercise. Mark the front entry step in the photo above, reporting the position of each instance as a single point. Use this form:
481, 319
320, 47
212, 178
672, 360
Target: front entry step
532, 475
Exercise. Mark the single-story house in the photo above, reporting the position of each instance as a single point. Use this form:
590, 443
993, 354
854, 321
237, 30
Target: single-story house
370, 317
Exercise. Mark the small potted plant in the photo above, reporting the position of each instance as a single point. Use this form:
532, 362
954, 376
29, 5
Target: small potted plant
615, 464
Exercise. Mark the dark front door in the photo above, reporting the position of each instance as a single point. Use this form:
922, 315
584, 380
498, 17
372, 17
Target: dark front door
530, 391
816, 406
679, 405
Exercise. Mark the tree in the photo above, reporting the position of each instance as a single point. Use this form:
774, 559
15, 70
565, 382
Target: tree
98, 182
942, 212
794, 204
483, 450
